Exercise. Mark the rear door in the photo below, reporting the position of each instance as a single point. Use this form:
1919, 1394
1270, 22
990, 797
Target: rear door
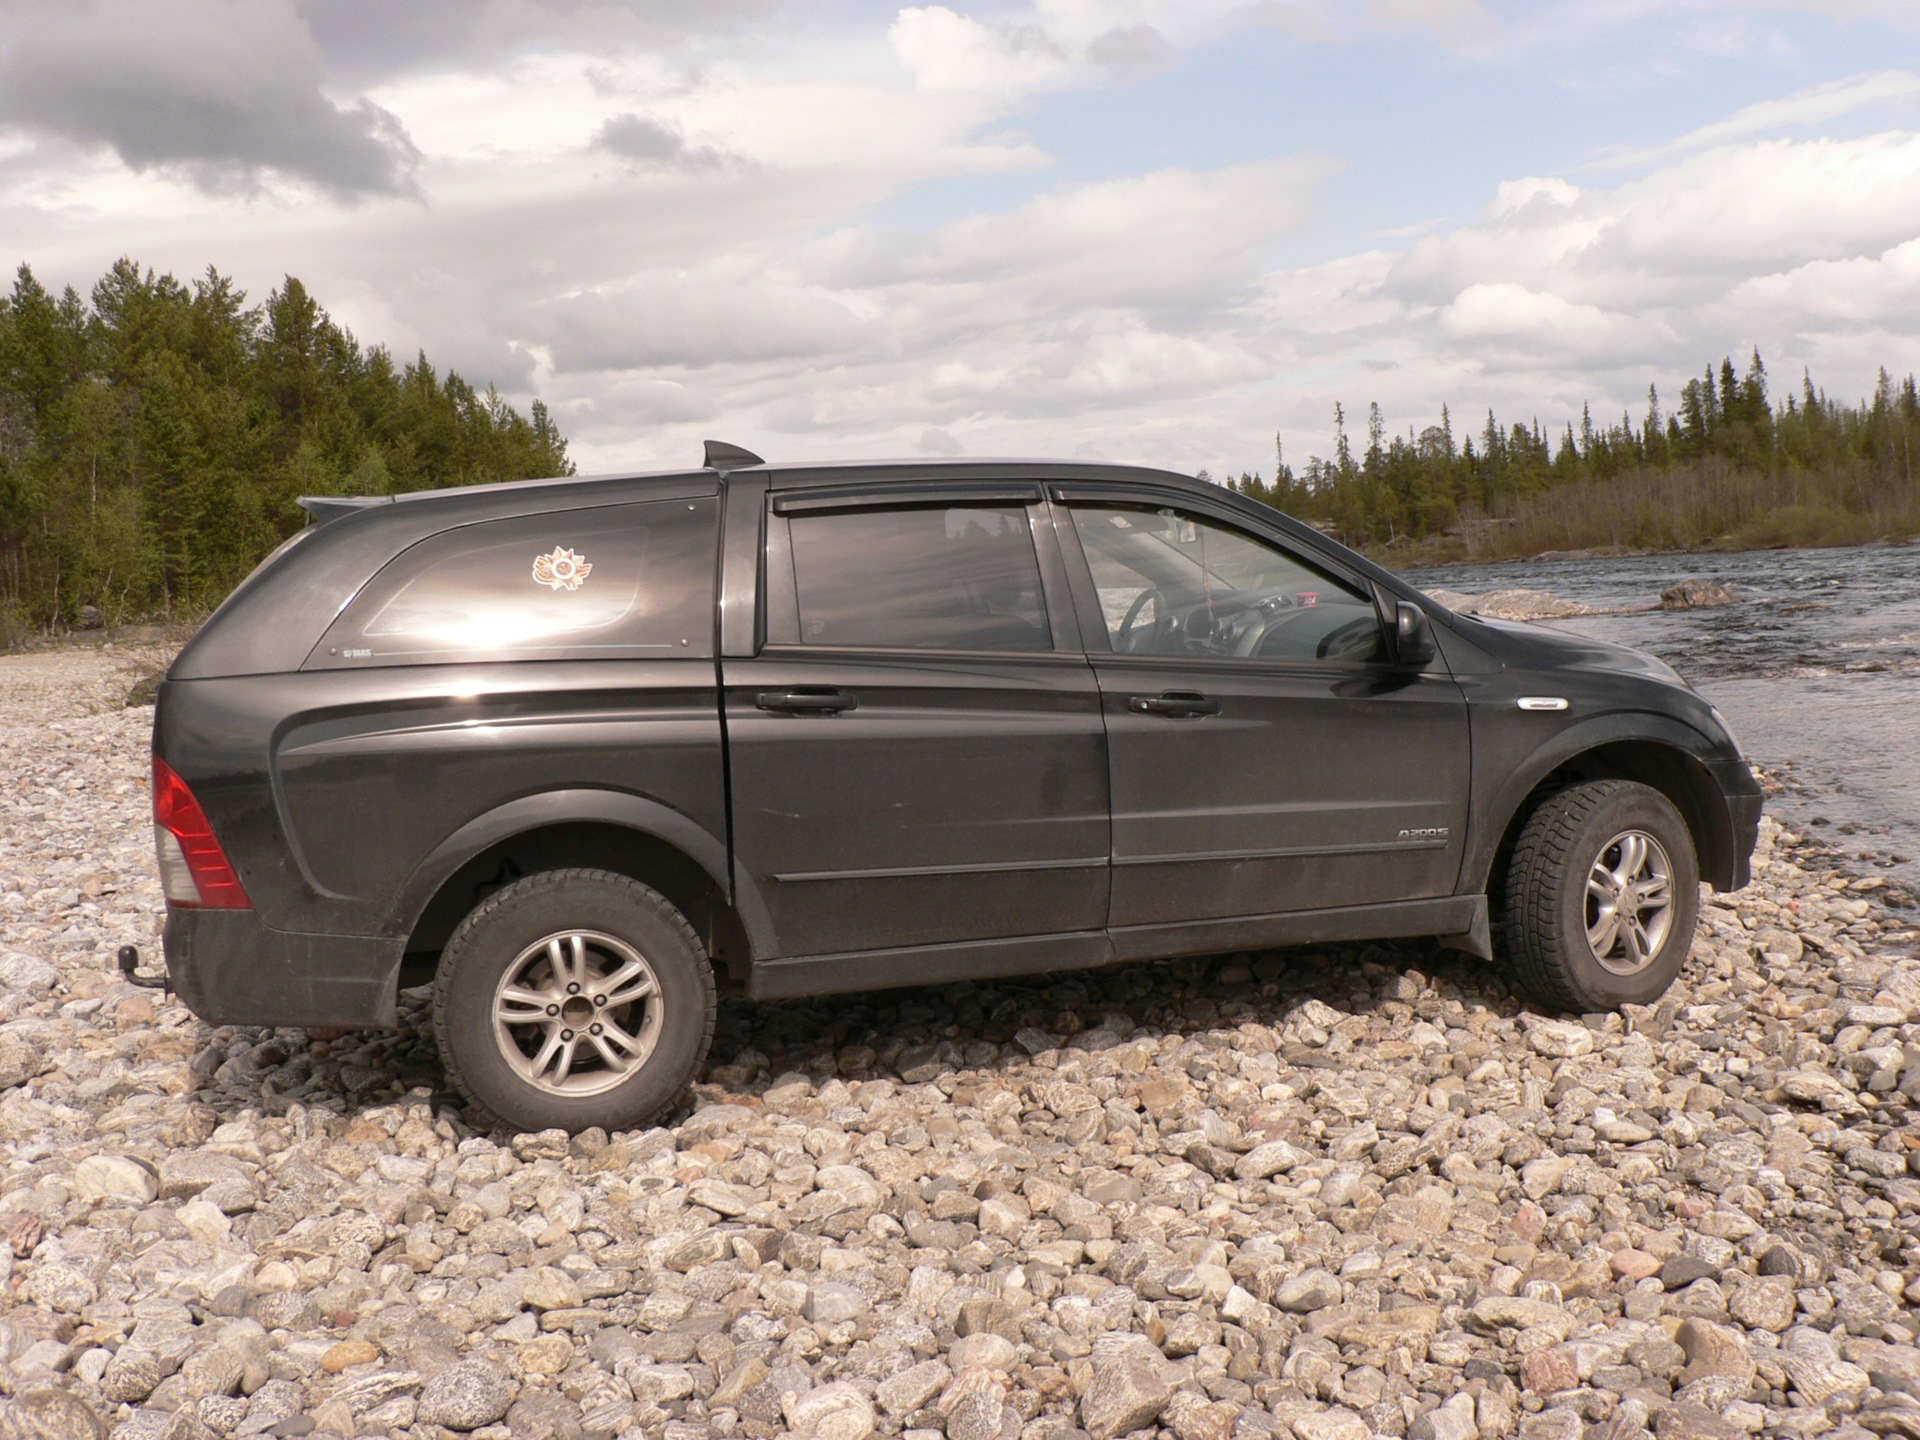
916, 747
1265, 758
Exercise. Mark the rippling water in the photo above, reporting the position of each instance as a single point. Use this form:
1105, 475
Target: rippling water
1818, 670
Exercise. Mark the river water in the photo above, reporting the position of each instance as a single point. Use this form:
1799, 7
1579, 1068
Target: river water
1818, 670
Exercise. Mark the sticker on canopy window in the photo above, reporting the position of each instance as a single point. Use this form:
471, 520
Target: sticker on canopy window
564, 569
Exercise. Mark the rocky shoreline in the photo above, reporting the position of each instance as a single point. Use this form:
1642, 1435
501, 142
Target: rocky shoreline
1689, 594
1317, 1194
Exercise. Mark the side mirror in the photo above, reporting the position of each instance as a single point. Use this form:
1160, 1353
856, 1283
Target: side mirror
1412, 635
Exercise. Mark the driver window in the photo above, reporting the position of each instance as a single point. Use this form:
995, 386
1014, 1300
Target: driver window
1173, 583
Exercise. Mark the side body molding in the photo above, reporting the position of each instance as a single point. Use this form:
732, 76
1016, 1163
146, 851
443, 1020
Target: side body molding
567, 807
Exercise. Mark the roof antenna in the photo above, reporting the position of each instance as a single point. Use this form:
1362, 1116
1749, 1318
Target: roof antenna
722, 456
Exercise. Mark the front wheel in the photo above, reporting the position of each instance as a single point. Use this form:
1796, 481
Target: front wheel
573, 998
1603, 894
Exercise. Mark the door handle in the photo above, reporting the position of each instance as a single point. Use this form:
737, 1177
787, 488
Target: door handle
809, 700
1179, 704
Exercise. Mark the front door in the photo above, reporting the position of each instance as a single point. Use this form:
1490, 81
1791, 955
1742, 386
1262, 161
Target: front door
1265, 757
917, 751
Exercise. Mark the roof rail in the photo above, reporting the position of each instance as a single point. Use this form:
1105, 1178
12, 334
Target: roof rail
721, 456
333, 507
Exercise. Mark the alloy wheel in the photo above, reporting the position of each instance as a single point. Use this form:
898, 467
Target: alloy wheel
577, 1012
1629, 902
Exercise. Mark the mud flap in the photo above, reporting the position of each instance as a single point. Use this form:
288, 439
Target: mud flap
1477, 938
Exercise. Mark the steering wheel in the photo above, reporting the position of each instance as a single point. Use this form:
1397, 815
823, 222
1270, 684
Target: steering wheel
1124, 639
1265, 612
1352, 641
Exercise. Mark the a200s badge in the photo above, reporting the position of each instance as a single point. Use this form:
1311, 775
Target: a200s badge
564, 569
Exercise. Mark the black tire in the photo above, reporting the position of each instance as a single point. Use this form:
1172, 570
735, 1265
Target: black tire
621, 1064
1554, 916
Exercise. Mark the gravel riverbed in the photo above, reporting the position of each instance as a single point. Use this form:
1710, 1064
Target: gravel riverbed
1319, 1194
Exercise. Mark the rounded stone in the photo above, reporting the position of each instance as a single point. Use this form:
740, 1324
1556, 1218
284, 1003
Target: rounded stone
466, 1396
116, 1177
545, 1415
1764, 1304
49, 1414
1635, 1264
1548, 1371
548, 1355
347, 1354
978, 1416
1681, 1271
285, 1310
831, 1412
984, 1348
132, 1375
65, 1288
1308, 1291
549, 1288
1779, 1260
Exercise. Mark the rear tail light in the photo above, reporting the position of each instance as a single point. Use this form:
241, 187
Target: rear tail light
194, 870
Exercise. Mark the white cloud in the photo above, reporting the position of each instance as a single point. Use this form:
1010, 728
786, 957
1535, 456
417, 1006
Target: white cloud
1814, 105
1453, 18
1167, 237
1562, 295
690, 323
1052, 43
945, 51
1545, 324
1714, 218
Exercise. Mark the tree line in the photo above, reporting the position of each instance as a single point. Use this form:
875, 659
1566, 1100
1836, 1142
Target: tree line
155, 435
1728, 465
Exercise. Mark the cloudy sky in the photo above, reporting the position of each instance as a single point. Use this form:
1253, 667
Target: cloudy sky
1153, 230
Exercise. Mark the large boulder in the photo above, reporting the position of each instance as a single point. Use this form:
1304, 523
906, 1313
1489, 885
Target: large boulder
1696, 595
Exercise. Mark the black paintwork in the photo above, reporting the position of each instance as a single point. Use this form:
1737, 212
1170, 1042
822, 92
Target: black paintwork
836, 819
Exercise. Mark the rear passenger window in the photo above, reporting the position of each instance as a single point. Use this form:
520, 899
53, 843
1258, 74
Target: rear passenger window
946, 577
632, 581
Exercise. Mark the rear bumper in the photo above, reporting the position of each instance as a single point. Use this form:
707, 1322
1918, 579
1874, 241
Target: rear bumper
232, 970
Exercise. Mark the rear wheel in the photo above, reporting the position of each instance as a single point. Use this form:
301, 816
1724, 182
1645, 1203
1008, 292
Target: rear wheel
573, 998
1603, 893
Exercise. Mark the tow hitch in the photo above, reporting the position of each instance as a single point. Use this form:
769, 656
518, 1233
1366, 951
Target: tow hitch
130, 970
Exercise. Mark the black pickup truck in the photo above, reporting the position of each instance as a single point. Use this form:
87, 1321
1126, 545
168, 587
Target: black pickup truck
586, 752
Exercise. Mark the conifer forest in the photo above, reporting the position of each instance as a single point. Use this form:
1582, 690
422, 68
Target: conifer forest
1728, 466
154, 438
